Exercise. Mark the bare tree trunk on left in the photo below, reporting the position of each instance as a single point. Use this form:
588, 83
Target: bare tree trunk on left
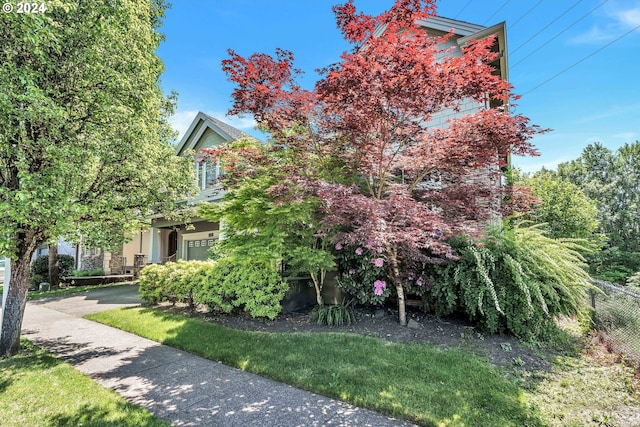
13, 310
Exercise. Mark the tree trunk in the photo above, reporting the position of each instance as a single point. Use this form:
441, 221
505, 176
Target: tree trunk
13, 310
402, 312
395, 277
317, 284
54, 268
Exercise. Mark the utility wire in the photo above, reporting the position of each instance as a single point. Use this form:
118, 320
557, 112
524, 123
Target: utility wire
547, 26
525, 14
582, 60
463, 8
494, 13
559, 34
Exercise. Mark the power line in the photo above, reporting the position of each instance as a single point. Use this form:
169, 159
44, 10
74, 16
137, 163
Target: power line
559, 34
499, 9
463, 8
582, 60
526, 13
547, 26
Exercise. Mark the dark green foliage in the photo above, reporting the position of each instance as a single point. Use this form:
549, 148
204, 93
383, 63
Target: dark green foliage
334, 315
40, 268
517, 280
224, 285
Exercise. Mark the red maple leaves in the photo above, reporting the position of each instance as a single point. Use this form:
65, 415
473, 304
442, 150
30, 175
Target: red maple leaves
400, 185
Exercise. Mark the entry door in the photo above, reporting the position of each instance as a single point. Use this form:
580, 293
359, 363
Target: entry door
172, 247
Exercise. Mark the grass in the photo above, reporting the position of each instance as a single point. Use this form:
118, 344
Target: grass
583, 391
36, 389
420, 383
586, 385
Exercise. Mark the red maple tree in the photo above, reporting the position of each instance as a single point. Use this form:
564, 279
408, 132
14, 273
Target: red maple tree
412, 185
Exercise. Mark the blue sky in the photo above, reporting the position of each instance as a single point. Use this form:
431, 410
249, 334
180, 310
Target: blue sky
588, 48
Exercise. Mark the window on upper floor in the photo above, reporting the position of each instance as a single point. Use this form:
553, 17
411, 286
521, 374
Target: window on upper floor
207, 174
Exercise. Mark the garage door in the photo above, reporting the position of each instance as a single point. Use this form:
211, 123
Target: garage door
197, 249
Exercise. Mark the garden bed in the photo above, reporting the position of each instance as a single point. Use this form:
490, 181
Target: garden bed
96, 280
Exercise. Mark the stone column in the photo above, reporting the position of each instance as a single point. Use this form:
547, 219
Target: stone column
116, 263
139, 261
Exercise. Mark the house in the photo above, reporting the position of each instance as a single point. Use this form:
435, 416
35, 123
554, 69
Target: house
168, 240
461, 34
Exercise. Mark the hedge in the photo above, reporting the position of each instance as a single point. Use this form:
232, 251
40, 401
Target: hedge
226, 285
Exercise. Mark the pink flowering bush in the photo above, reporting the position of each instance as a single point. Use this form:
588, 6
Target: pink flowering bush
379, 286
362, 275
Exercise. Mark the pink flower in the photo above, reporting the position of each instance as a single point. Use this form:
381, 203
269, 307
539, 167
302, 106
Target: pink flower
351, 271
420, 281
379, 262
359, 251
379, 286
379, 250
338, 246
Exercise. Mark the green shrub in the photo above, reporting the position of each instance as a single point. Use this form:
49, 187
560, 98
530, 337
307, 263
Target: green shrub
214, 289
40, 268
613, 265
255, 288
333, 315
150, 283
517, 280
222, 285
173, 281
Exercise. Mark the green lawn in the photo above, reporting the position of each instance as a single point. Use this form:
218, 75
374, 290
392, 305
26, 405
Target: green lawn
36, 389
420, 383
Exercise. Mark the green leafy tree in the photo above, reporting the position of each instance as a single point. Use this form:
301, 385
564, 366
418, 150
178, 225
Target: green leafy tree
562, 205
266, 215
84, 141
612, 180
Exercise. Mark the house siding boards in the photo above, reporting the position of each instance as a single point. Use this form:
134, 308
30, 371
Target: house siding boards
463, 33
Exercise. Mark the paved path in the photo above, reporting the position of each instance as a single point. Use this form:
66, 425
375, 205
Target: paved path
174, 385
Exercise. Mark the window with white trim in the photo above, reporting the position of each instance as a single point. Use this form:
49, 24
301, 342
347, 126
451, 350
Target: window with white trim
207, 174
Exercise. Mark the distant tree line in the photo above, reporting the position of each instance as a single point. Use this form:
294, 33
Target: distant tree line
595, 196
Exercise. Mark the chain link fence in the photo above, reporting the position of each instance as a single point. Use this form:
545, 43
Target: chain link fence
617, 317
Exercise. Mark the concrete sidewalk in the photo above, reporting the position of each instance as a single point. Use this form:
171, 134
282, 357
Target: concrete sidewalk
184, 389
